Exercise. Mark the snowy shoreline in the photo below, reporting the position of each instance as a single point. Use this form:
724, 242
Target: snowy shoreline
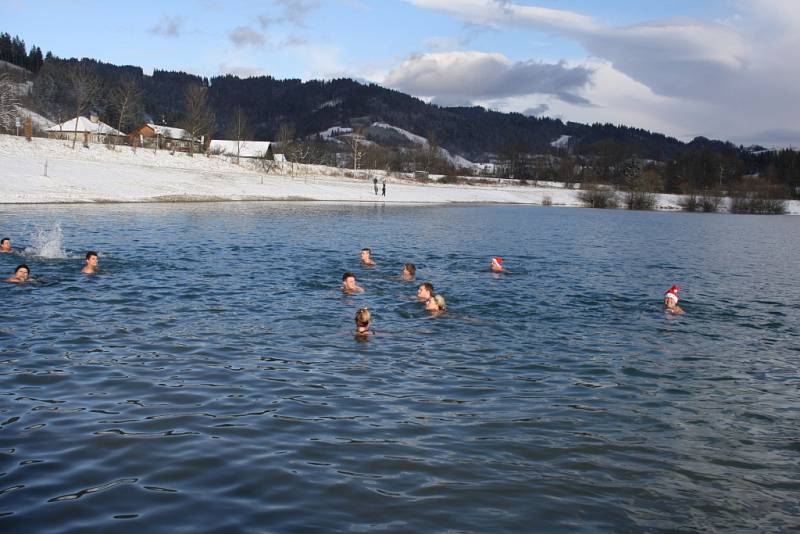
100, 175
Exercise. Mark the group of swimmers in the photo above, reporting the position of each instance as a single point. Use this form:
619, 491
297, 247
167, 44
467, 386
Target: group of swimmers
434, 303
22, 273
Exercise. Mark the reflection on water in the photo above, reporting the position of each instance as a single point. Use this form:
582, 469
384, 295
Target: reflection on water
208, 378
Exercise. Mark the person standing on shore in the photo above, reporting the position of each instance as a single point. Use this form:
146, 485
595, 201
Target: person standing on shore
384, 187
375, 185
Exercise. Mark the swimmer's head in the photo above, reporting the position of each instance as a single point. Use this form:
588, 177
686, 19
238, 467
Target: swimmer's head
363, 318
435, 303
671, 296
91, 258
5, 244
366, 254
22, 272
497, 263
409, 270
349, 280
425, 291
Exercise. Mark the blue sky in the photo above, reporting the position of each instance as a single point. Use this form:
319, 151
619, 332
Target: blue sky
686, 68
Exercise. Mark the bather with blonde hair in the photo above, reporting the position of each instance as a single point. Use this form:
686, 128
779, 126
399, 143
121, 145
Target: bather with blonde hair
436, 304
363, 320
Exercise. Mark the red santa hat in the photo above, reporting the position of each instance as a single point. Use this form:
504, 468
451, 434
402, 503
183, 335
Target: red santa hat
498, 260
672, 293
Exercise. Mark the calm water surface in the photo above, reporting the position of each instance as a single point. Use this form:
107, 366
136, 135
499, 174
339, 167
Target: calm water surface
207, 379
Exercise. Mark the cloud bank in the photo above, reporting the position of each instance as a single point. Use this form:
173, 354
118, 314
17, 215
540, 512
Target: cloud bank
726, 79
460, 77
242, 36
167, 27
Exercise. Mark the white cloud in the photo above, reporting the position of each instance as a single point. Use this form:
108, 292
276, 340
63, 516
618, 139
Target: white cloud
464, 76
168, 27
539, 109
292, 41
294, 12
241, 72
720, 79
242, 36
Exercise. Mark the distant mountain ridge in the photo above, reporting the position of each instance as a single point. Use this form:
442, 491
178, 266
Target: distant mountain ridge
316, 105
513, 144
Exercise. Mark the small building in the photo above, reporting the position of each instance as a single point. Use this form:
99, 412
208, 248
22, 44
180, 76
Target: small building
151, 135
246, 149
91, 130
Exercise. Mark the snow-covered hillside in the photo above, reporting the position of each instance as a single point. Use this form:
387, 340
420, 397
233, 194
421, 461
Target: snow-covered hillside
561, 142
454, 159
39, 122
48, 170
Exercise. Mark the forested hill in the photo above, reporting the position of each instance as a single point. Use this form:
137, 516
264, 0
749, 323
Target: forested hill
314, 106
603, 150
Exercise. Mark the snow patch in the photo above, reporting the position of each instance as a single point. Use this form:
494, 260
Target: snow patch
334, 131
99, 174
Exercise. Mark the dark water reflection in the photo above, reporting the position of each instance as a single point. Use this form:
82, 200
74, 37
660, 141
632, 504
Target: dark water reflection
207, 380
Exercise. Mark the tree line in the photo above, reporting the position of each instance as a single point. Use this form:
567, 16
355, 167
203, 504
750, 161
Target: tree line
267, 108
14, 51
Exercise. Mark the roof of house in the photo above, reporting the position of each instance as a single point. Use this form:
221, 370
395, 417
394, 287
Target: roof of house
85, 125
247, 149
168, 131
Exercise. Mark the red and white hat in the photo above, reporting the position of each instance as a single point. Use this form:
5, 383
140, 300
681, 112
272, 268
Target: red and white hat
672, 293
498, 260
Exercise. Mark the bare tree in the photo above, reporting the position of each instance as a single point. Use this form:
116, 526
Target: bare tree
50, 90
285, 141
199, 119
300, 151
356, 142
238, 129
84, 88
8, 102
431, 151
125, 98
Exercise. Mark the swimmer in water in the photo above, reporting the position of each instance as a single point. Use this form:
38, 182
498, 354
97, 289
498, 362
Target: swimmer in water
671, 301
349, 284
363, 320
91, 263
21, 274
5, 246
366, 258
409, 270
497, 264
425, 291
436, 304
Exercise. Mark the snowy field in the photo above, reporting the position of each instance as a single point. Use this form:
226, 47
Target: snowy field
98, 174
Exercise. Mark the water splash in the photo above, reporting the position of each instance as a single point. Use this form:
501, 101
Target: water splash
47, 243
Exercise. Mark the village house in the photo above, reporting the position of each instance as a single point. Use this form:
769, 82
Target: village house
91, 130
151, 135
245, 149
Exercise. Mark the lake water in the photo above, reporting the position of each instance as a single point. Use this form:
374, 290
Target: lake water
207, 379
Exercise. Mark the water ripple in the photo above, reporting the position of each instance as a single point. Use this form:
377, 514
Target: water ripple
208, 379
